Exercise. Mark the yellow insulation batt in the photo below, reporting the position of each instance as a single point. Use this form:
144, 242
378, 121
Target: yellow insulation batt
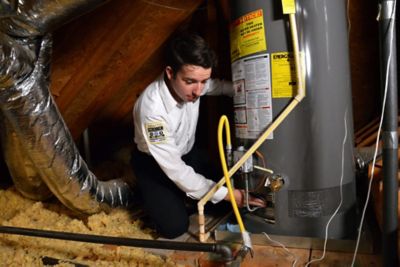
16, 250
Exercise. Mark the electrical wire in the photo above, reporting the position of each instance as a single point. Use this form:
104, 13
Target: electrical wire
261, 156
263, 168
391, 28
341, 196
284, 247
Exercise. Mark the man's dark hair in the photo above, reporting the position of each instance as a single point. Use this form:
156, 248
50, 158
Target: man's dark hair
189, 49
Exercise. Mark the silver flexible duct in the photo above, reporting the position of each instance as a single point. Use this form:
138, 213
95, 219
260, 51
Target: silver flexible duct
16, 61
32, 119
28, 18
25, 176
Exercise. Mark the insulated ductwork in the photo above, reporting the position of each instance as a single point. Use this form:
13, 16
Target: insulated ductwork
37, 17
39, 149
25, 175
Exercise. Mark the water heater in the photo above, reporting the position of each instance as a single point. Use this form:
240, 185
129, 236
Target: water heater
311, 152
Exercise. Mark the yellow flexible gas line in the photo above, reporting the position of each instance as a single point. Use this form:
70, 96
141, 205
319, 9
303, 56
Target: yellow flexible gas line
224, 121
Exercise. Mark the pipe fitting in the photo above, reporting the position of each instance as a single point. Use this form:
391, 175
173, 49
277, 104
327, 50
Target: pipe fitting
275, 182
224, 251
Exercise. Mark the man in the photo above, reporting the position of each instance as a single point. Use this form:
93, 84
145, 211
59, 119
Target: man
165, 118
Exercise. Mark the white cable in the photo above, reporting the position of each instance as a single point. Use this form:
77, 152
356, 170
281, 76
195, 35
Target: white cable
284, 247
336, 211
341, 195
391, 28
342, 171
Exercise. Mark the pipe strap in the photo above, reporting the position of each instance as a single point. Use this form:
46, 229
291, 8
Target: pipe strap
386, 11
390, 140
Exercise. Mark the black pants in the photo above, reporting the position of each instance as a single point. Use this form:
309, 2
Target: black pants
162, 199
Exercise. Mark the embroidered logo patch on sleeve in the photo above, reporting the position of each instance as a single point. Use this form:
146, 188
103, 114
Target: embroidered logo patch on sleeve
156, 132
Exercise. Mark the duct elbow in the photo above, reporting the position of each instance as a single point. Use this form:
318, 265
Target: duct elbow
115, 193
16, 62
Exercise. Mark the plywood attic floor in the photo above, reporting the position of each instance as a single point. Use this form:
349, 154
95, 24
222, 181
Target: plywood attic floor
268, 256
272, 256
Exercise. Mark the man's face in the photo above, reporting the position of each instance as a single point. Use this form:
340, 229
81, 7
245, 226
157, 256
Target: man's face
188, 83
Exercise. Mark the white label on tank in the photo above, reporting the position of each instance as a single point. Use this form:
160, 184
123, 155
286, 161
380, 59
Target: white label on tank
252, 100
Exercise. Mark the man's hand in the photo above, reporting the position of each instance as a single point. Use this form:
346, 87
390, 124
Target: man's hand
240, 198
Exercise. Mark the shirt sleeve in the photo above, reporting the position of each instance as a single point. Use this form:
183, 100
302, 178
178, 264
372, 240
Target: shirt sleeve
163, 148
219, 87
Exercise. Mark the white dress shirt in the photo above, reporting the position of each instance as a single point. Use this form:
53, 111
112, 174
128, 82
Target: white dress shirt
165, 129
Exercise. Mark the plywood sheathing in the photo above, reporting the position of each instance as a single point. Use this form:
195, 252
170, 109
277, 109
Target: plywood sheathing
104, 59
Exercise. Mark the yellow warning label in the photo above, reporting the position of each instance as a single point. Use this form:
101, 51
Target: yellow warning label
283, 72
247, 35
289, 6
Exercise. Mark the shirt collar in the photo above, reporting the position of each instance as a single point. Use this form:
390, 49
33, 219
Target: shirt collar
168, 100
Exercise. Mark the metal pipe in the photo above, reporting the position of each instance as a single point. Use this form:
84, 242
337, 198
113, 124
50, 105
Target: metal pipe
387, 33
224, 251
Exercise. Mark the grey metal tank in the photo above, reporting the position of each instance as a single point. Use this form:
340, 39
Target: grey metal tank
313, 148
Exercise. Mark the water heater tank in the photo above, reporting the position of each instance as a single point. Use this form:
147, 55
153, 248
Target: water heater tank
312, 149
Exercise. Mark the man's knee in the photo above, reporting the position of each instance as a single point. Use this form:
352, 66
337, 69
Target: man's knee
173, 229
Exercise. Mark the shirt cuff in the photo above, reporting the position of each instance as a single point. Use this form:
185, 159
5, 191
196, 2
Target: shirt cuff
219, 195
